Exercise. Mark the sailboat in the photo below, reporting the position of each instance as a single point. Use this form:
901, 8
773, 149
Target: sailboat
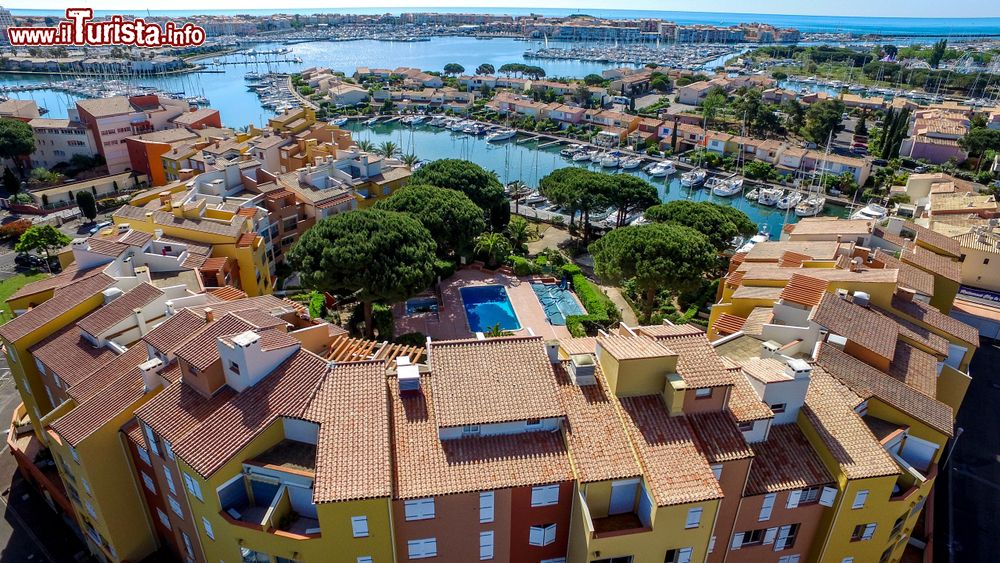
815, 201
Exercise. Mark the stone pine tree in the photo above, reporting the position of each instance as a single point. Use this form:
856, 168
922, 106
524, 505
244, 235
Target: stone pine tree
87, 204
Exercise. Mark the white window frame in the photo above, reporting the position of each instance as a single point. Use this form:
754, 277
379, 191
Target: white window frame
766, 507
192, 486
544, 495
427, 548
359, 526
143, 455
164, 519
419, 509
486, 545
169, 476
209, 531
148, 481
175, 506
542, 535
860, 498
693, 518
487, 503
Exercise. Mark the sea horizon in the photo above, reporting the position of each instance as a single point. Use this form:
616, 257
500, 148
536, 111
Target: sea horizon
882, 25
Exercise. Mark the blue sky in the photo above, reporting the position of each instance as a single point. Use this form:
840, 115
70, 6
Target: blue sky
905, 8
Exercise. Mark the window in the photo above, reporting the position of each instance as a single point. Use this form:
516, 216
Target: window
251, 556
485, 545
778, 408
234, 367
187, 545
151, 438
545, 495
693, 518
788, 559
420, 509
809, 495
208, 527
898, 524
542, 535
847, 560
421, 549
717, 471
863, 532
90, 509
703, 393
786, 537
148, 481
533, 422
86, 486
143, 455
359, 526
986, 261
175, 506
365, 559
793, 499
76, 456
745, 426
682, 555
486, 507
860, 499
169, 476
751, 537
766, 507
167, 450
192, 486
470, 430
163, 518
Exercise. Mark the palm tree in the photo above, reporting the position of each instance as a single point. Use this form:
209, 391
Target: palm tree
388, 149
410, 160
366, 145
494, 246
519, 233
496, 331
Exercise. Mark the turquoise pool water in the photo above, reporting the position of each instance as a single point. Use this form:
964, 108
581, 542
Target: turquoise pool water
558, 303
487, 306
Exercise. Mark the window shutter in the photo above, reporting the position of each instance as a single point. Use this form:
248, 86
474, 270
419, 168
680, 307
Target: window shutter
869, 532
486, 545
769, 535
860, 498
793, 499
684, 555
765, 509
779, 544
359, 526
828, 496
737, 541
486, 507
693, 518
711, 544
549, 535
535, 535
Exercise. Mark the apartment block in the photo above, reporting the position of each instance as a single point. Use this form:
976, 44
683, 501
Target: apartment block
112, 120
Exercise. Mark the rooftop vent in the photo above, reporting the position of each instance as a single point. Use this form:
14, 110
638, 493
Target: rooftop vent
552, 349
408, 375
150, 373
245, 339
123, 227
581, 367
861, 298
112, 293
798, 368
80, 243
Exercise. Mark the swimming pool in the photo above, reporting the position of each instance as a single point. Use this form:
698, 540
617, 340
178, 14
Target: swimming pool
557, 303
487, 306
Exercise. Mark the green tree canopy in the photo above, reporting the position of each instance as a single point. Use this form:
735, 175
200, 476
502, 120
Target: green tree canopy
578, 190
937, 52
379, 255
87, 204
658, 256
42, 238
16, 139
495, 247
978, 141
480, 185
630, 193
821, 119
485, 68
453, 68
452, 219
720, 224
593, 80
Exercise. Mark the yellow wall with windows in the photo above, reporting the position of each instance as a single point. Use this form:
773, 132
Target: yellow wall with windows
629, 378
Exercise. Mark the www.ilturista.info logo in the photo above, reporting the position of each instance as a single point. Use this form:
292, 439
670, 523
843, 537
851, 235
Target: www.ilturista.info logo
79, 29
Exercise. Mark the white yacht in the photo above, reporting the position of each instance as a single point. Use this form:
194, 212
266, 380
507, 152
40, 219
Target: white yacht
728, 187
501, 135
790, 200
609, 161
754, 240
661, 169
581, 156
570, 151
769, 196
436, 121
339, 122
371, 121
870, 211
631, 163
811, 206
752, 195
695, 177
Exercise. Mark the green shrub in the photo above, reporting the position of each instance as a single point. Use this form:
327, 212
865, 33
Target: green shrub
444, 269
382, 319
524, 267
601, 311
412, 339
317, 305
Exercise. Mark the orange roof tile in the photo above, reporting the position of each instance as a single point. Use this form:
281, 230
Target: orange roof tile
632, 347
119, 309
719, 437
697, 361
928, 314
858, 324
174, 331
744, 402
728, 324
64, 299
804, 290
67, 354
785, 461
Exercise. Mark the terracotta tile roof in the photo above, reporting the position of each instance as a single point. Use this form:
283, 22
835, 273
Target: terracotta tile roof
97, 411
697, 361
845, 436
804, 290
258, 318
216, 264
352, 450
665, 330
744, 402
719, 437
934, 263
933, 238
69, 275
179, 409
757, 292
829, 226
105, 247
858, 324
119, 309
891, 238
246, 239
63, 300
675, 470
916, 333
583, 345
267, 303
916, 368
269, 339
133, 432
785, 461
286, 391
791, 259
771, 251
193, 246
759, 272
727, 324
492, 380
909, 276
735, 278
135, 238
194, 260
108, 373
174, 331
598, 442
230, 228
228, 293
201, 350
632, 347
427, 466
868, 381
922, 312
756, 320
69, 355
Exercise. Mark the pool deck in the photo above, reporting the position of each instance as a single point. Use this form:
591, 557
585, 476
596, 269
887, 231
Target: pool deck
451, 323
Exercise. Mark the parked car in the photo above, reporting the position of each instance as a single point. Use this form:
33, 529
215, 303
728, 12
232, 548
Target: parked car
98, 227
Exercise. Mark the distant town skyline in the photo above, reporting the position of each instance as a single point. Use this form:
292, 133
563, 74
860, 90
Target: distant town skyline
843, 8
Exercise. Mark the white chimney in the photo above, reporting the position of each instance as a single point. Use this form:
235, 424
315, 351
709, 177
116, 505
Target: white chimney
798, 369
581, 367
407, 376
552, 349
861, 298
140, 321
151, 374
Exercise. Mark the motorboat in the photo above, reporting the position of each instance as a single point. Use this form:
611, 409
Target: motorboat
631, 163
870, 211
417, 119
752, 195
790, 200
501, 135
408, 120
770, 196
695, 177
754, 240
811, 206
339, 122
570, 151
581, 156
458, 126
252, 76
661, 169
609, 160
728, 187
371, 121
714, 182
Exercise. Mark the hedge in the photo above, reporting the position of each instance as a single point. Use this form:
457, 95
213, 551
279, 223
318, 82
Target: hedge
524, 267
601, 311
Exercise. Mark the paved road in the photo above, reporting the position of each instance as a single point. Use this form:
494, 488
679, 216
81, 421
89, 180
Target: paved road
975, 467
